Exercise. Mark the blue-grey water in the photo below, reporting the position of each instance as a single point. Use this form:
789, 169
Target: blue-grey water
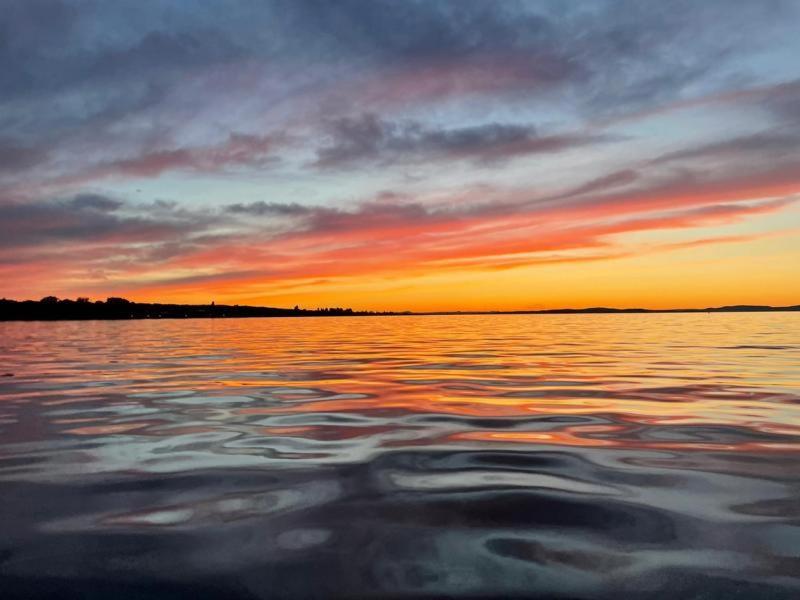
575, 456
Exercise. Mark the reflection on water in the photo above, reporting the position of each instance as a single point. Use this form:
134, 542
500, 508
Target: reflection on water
580, 456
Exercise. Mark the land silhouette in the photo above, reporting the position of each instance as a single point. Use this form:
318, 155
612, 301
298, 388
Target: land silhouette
51, 308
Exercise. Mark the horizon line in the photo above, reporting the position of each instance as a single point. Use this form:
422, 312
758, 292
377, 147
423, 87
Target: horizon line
114, 308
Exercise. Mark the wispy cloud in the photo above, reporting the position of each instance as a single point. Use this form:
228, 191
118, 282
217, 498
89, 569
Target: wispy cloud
368, 139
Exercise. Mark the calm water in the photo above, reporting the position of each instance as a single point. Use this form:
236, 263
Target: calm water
583, 456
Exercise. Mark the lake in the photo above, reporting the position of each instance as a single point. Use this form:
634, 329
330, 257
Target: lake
568, 456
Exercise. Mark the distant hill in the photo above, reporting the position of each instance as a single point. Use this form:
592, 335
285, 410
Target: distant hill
736, 308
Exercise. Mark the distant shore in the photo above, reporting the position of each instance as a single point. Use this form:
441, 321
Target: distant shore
54, 309
605, 310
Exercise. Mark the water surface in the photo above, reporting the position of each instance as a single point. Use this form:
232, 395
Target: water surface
574, 456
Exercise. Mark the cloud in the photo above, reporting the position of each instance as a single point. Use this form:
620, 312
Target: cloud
423, 246
261, 208
294, 101
367, 138
14, 156
613, 180
92, 203
166, 249
766, 146
617, 195
87, 219
419, 29
238, 151
115, 75
783, 102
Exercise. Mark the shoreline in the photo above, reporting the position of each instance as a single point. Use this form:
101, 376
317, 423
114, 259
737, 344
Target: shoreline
270, 313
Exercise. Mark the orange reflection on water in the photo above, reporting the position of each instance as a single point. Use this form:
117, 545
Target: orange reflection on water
568, 437
105, 429
572, 438
340, 388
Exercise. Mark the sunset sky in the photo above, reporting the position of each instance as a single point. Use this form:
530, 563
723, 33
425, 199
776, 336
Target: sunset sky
402, 155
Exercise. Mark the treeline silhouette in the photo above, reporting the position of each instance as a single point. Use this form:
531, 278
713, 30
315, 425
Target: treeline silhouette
51, 308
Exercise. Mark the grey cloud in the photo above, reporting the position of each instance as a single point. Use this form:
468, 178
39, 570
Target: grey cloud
262, 208
101, 74
239, 151
95, 47
382, 212
50, 46
96, 202
367, 138
92, 218
651, 192
767, 146
14, 156
613, 180
28, 30
612, 55
215, 277
418, 33
783, 101
371, 214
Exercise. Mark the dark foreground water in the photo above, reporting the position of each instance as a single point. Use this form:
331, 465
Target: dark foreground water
578, 456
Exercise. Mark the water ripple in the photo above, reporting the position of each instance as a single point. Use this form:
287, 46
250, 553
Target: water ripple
589, 456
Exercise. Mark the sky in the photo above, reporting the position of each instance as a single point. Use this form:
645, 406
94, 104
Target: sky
402, 155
